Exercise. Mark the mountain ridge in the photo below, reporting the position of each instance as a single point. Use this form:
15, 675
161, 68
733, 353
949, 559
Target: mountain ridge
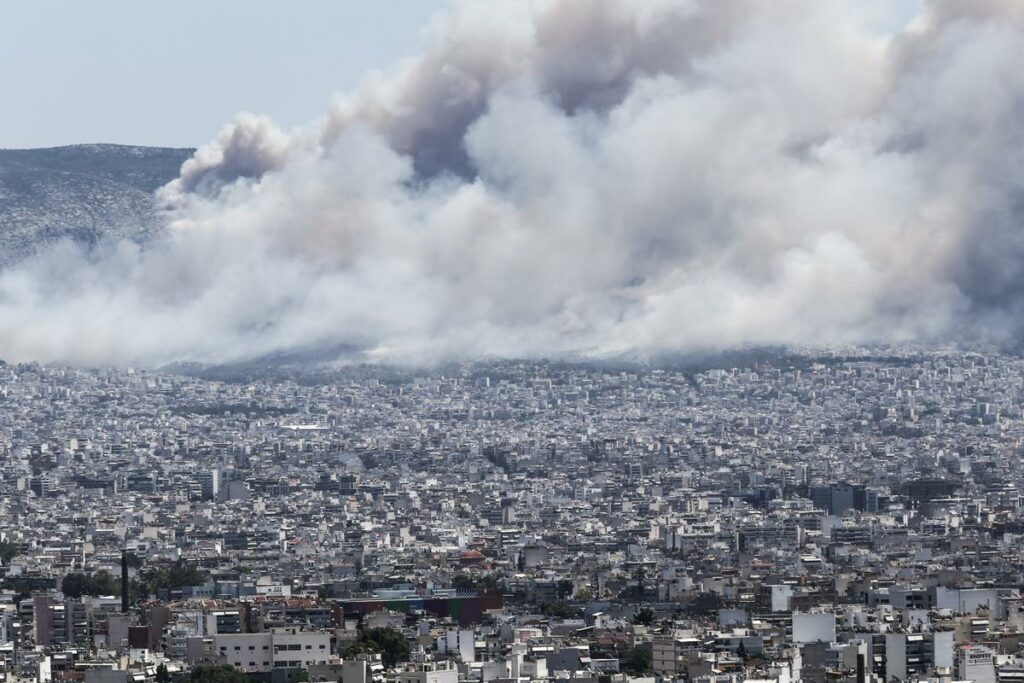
84, 193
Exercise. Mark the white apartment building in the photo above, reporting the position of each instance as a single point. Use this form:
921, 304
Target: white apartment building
262, 652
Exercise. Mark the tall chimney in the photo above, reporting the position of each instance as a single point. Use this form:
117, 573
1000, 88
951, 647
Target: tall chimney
124, 582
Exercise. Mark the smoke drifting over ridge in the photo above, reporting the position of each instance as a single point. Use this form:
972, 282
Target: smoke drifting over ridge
589, 177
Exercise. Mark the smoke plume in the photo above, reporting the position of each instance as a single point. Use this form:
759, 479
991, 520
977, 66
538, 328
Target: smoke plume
589, 178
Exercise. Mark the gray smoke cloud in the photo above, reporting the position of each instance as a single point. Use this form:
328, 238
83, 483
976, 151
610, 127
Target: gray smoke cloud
589, 178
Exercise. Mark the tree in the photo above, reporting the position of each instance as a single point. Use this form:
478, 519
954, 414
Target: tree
644, 616
222, 673
558, 610
632, 594
165, 575
639, 660
77, 584
8, 551
391, 644
491, 581
74, 585
463, 582
359, 647
102, 583
162, 675
707, 603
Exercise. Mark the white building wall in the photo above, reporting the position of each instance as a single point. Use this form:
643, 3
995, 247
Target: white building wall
895, 656
248, 652
781, 598
943, 643
976, 663
262, 652
301, 648
814, 627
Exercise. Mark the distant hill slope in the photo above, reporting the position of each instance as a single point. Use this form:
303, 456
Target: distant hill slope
80, 192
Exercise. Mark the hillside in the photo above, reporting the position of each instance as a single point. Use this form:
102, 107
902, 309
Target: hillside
81, 192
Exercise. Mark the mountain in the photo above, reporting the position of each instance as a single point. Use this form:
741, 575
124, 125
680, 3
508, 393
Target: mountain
80, 192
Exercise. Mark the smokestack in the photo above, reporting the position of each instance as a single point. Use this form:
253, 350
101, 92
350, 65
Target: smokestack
124, 582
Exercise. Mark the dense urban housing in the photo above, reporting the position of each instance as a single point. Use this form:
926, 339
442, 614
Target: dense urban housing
850, 516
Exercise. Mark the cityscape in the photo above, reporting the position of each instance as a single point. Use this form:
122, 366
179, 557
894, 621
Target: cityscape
848, 516
512, 341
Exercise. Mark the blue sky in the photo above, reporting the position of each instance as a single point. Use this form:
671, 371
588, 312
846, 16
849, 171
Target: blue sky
172, 73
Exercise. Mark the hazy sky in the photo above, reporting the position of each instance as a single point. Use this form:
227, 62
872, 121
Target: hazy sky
173, 73
579, 178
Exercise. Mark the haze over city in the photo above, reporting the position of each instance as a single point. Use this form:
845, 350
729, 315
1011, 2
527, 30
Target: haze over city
583, 179
512, 341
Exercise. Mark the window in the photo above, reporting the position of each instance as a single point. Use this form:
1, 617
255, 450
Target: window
252, 647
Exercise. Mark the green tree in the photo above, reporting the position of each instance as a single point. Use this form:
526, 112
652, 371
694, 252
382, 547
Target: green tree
222, 673
492, 581
77, 584
558, 610
463, 582
638, 661
359, 647
391, 644
8, 551
74, 585
707, 603
102, 583
632, 593
644, 617
164, 575
162, 675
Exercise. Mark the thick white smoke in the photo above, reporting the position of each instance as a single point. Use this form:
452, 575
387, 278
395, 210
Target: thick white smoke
589, 177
